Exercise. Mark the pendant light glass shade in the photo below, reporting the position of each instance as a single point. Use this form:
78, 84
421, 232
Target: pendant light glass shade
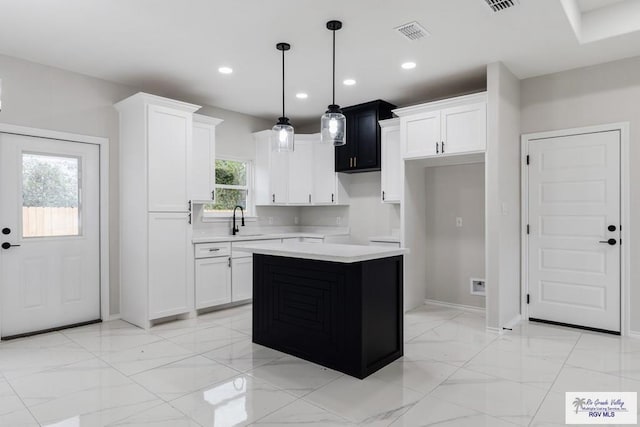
333, 124
282, 135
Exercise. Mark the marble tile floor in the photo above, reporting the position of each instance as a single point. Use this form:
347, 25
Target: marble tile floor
207, 372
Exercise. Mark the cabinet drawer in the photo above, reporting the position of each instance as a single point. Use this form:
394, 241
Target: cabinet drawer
208, 250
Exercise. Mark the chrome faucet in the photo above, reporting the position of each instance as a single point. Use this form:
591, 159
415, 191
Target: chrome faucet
235, 230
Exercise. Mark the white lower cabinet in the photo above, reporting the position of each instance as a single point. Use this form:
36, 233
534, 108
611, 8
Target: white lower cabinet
213, 282
224, 274
242, 278
169, 273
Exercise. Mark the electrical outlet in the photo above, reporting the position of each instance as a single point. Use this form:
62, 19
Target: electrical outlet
459, 222
270, 220
338, 220
295, 220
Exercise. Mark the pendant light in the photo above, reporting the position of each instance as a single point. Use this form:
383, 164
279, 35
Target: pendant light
282, 131
333, 124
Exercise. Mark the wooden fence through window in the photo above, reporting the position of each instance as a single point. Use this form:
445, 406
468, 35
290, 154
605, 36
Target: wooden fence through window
47, 221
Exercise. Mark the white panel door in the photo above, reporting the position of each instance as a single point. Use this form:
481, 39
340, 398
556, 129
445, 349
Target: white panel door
300, 169
279, 177
574, 209
421, 135
169, 155
391, 162
49, 209
324, 175
464, 129
170, 264
213, 281
241, 278
203, 160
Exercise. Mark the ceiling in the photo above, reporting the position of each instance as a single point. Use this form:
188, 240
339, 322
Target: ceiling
174, 47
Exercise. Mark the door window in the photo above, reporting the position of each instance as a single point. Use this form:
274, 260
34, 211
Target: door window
50, 195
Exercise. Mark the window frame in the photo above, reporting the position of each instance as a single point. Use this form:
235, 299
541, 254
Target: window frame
249, 213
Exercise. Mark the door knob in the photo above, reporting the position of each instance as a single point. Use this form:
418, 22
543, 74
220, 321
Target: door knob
611, 228
6, 230
7, 245
611, 242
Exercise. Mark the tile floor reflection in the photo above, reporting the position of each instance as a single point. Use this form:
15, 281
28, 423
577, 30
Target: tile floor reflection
206, 372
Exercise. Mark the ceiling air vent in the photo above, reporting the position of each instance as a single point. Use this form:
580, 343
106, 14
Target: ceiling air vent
500, 5
412, 31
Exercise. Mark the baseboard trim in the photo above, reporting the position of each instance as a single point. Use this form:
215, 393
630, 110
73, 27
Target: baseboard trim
458, 306
633, 334
513, 322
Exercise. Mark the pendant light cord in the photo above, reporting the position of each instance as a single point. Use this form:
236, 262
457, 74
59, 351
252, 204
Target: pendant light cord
283, 83
334, 67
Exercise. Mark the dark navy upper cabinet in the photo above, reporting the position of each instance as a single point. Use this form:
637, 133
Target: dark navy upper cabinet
362, 150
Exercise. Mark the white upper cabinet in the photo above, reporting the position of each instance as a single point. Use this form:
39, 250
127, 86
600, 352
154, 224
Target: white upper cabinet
169, 152
464, 128
422, 134
305, 176
271, 172
452, 126
391, 161
325, 180
203, 174
300, 167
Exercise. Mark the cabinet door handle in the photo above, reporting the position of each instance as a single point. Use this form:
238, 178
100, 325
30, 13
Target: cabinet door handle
350, 162
437, 150
189, 206
273, 198
189, 216
383, 195
355, 162
332, 198
229, 262
213, 194
309, 198
442, 147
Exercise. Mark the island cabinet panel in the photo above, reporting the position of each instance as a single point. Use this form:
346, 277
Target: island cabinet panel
345, 316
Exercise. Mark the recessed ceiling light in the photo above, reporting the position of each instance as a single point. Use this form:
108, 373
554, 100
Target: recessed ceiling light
409, 65
349, 82
301, 95
225, 70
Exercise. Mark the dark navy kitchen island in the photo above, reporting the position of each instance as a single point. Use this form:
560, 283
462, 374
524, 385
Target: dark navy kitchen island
339, 306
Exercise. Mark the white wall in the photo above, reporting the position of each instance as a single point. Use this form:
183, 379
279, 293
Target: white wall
454, 254
604, 93
365, 216
503, 196
38, 96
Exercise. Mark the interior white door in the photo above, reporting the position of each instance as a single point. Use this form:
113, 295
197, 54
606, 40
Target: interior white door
574, 215
49, 211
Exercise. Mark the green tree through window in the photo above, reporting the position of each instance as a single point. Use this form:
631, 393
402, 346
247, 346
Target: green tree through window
232, 188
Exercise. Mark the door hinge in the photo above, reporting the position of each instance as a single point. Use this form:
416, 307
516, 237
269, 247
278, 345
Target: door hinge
528, 298
528, 229
527, 159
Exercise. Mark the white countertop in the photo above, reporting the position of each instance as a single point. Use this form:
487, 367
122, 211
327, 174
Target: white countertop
245, 237
388, 239
324, 252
